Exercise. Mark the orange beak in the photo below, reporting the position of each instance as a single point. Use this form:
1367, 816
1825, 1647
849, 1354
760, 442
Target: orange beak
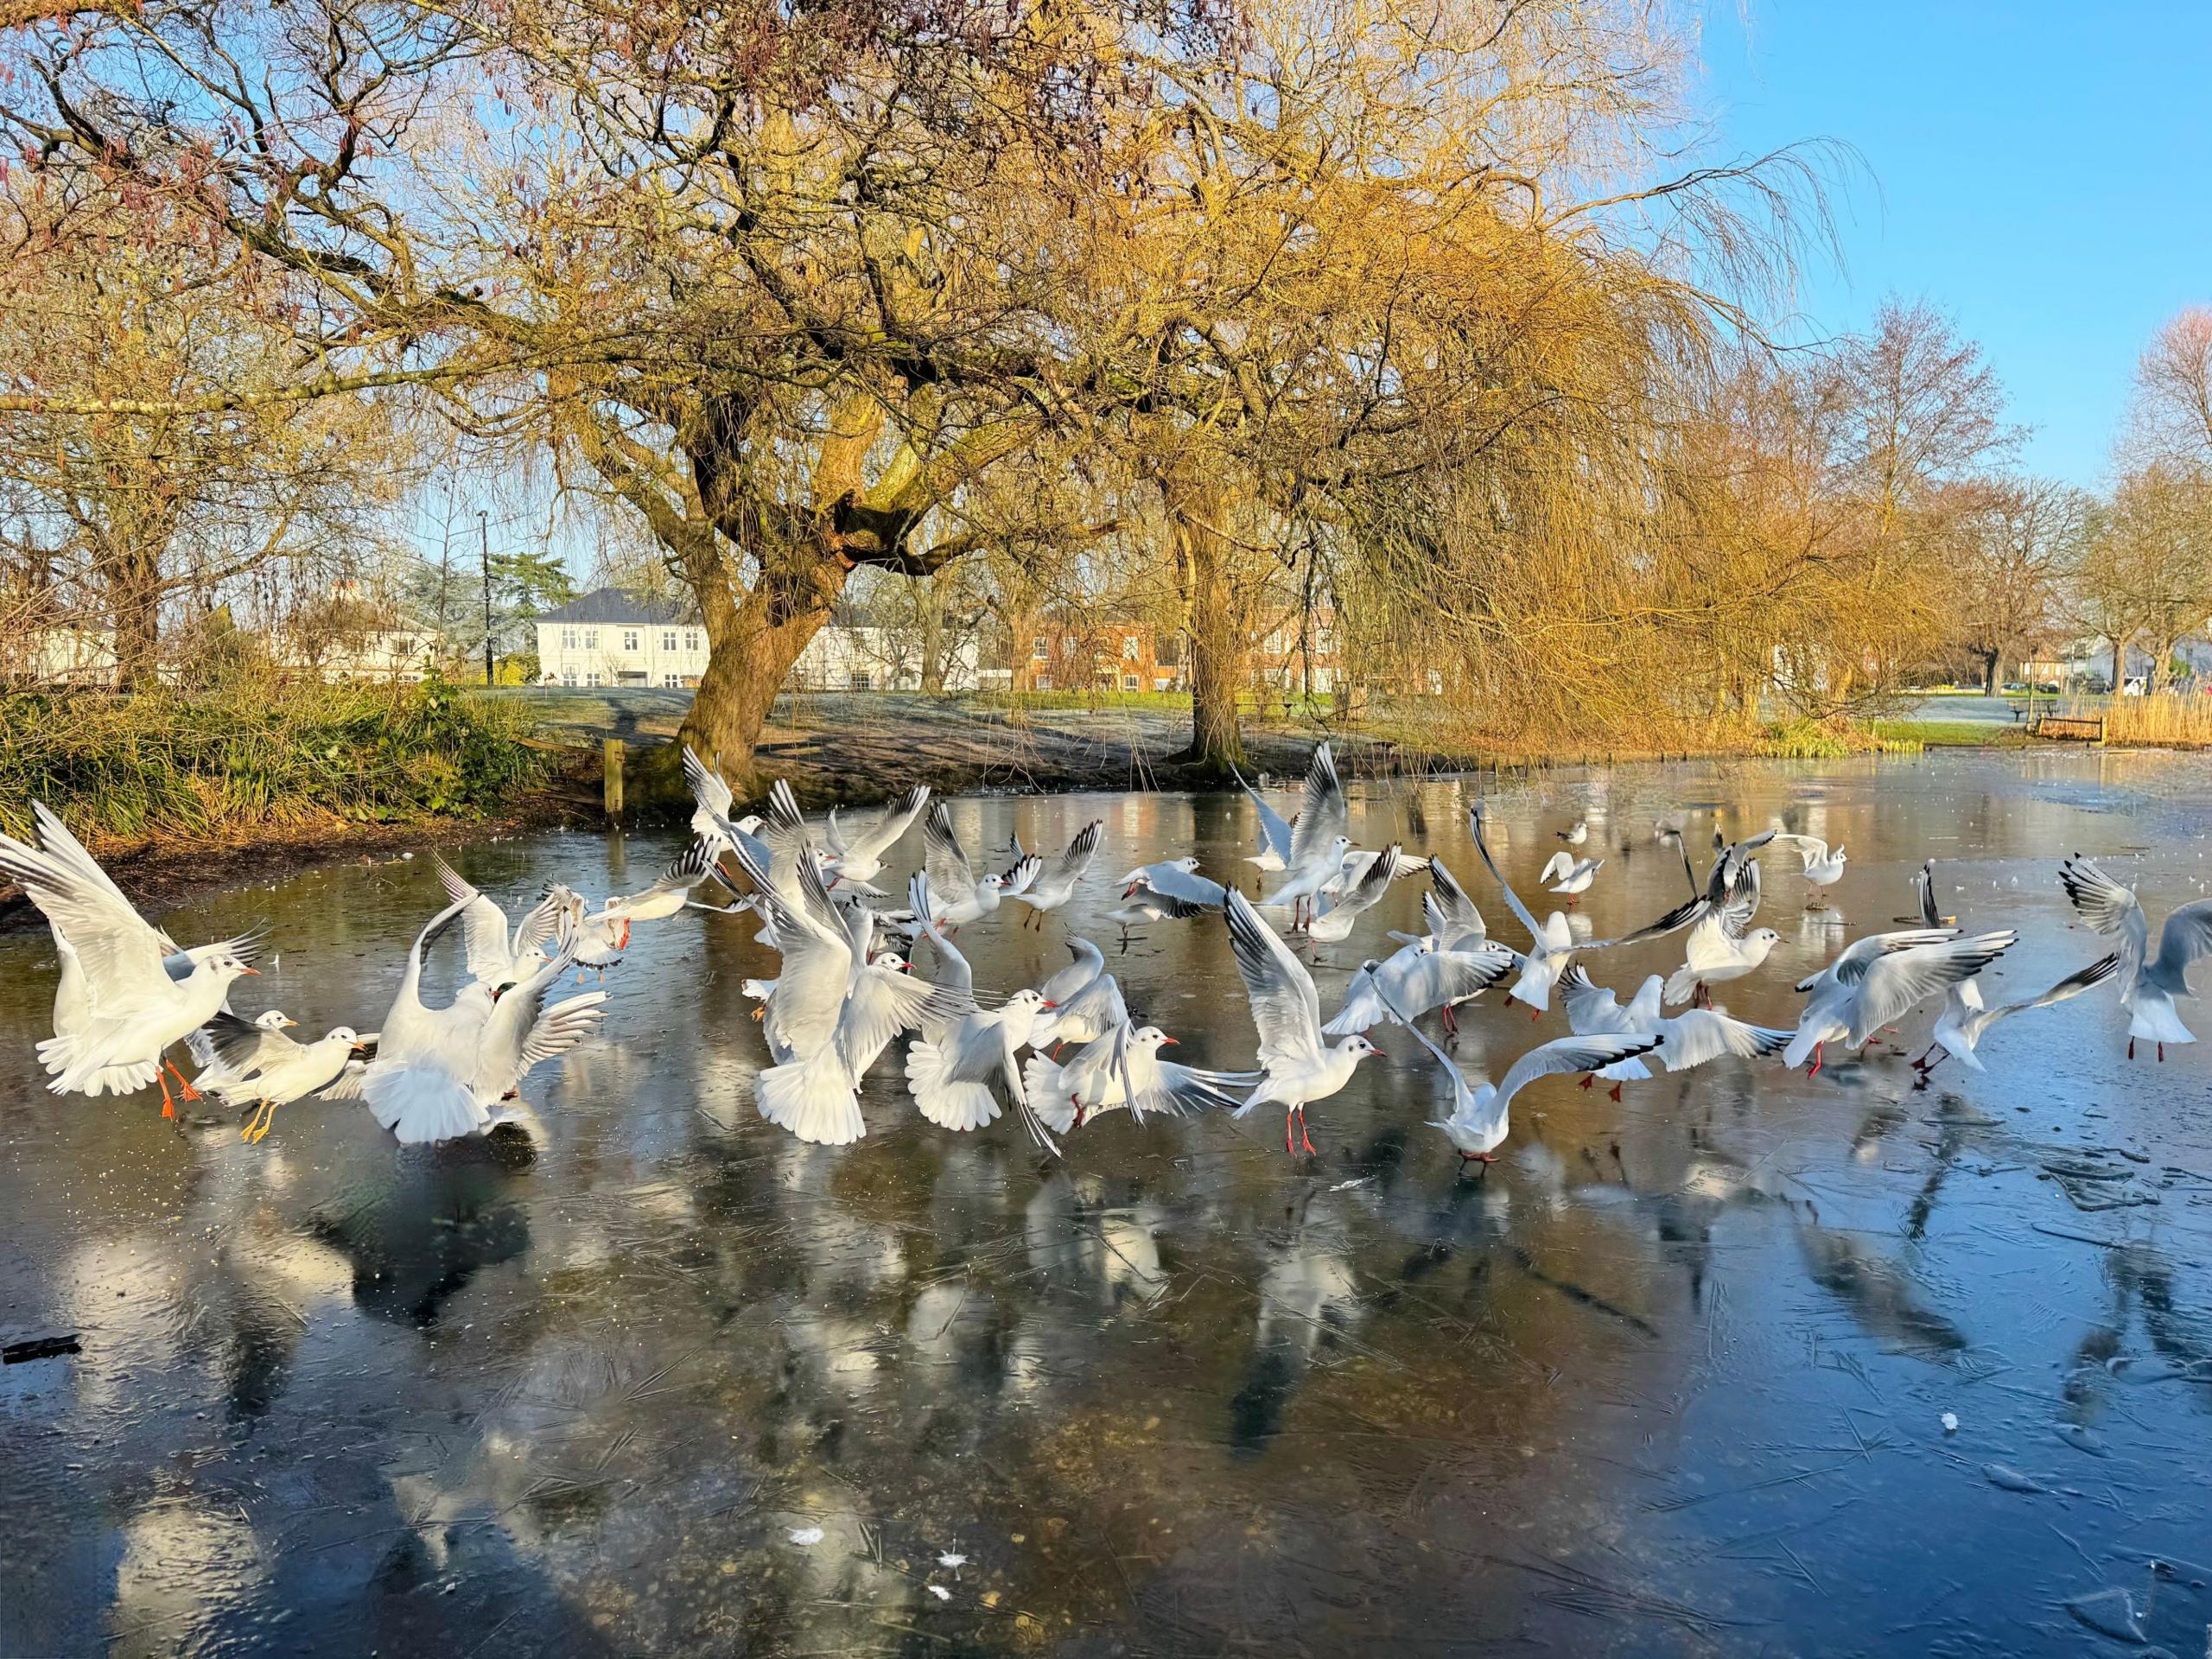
1048, 1005
1176, 1040
255, 972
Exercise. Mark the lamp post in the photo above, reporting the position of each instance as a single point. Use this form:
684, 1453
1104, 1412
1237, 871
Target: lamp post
484, 543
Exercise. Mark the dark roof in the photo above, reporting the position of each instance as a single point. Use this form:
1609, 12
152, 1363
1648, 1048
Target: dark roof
613, 604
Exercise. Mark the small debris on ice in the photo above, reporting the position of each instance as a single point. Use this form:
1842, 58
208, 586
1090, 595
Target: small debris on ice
806, 1535
939, 1592
948, 1560
1950, 1420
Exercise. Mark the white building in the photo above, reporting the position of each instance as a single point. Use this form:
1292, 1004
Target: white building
610, 638
867, 658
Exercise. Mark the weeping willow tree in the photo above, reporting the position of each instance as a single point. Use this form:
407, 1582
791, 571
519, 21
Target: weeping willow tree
1393, 304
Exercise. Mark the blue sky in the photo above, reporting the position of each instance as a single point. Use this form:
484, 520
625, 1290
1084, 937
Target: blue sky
2041, 171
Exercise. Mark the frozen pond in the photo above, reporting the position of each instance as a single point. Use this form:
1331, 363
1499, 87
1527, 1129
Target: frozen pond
1670, 1379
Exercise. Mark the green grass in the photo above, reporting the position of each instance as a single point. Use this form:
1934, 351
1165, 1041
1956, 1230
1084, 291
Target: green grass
1945, 733
200, 764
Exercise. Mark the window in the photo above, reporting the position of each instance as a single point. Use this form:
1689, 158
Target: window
859, 681
672, 680
629, 638
668, 639
691, 639
1131, 683
1040, 651
567, 676
591, 679
1044, 683
568, 641
1128, 647
591, 642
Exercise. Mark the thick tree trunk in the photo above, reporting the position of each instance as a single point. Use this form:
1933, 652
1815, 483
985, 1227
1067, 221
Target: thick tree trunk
1215, 630
134, 593
749, 657
933, 606
1992, 672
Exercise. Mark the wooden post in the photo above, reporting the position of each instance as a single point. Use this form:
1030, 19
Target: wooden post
612, 754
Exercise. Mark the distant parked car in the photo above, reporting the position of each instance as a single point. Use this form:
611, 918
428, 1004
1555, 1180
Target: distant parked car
2049, 687
2016, 685
2133, 687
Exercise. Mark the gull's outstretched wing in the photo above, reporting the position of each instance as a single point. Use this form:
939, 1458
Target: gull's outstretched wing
1323, 816
1274, 829
1286, 1008
1900, 979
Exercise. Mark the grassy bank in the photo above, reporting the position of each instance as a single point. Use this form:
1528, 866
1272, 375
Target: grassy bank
179, 767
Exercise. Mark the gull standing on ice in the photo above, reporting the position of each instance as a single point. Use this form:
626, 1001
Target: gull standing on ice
1048, 889
1286, 1013
1575, 874
2149, 986
1575, 834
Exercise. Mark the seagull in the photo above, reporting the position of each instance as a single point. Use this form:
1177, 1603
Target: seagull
262, 1067
832, 1012
1176, 878
126, 1004
1085, 999
214, 1071
496, 956
1965, 1021
950, 1071
439, 1072
1883, 989
1478, 1119
1358, 862
1690, 1038
1420, 975
1574, 834
953, 885
1923, 894
2147, 987
1823, 865
1551, 942
1335, 920
1286, 1013
713, 803
1049, 889
1121, 1069
1720, 949
858, 856
1142, 903
1318, 841
1276, 833
1455, 923
668, 893
1575, 874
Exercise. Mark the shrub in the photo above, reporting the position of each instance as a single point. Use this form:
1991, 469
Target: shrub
253, 750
